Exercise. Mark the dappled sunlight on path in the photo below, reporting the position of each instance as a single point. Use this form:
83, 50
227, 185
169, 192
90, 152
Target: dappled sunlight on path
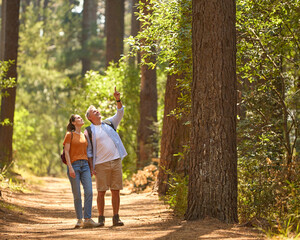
48, 213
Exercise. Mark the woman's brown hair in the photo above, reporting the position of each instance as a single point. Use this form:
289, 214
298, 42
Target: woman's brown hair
71, 126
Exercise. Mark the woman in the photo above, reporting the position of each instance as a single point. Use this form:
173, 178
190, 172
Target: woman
79, 171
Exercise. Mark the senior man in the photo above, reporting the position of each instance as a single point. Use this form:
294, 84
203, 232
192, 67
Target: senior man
107, 150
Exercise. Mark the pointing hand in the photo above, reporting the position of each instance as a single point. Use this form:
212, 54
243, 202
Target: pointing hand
116, 94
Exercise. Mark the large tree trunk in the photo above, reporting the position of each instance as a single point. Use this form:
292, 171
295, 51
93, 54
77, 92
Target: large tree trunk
148, 109
135, 27
174, 136
114, 21
213, 156
9, 51
148, 116
135, 23
89, 28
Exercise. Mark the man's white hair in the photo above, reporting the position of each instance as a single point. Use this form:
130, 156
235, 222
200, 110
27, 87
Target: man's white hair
87, 114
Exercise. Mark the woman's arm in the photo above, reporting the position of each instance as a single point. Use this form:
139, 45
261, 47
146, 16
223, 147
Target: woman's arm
67, 153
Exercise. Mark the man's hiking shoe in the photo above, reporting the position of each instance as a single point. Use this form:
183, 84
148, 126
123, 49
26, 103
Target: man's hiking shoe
117, 221
79, 223
90, 224
101, 220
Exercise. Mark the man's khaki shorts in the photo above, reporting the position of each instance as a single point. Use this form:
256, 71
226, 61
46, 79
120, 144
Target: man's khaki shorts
109, 175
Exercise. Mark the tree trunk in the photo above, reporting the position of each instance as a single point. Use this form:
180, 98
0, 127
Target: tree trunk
148, 109
148, 116
135, 27
135, 23
24, 5
174, 136
89, 29
213, 155
114, 21
9, 51
45, 8
46, 2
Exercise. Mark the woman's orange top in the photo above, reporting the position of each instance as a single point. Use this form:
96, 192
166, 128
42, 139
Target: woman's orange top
78, 146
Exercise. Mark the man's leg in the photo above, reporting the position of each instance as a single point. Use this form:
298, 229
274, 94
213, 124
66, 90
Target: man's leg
101, 202
116, 186
115, 200
102, 186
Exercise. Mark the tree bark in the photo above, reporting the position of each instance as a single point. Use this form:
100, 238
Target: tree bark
148, 116
135, 27
148, 108
213, 156
9, 51
114, 21
89, 25
174, 136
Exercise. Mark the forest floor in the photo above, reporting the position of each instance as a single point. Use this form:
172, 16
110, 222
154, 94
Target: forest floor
47, 212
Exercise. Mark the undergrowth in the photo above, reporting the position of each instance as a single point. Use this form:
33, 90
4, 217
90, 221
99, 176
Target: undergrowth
176, 196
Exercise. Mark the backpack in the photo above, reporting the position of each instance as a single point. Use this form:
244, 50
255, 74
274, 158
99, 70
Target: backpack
63, 156
89, 130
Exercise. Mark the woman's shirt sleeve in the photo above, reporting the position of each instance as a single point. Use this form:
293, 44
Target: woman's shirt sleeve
67, 138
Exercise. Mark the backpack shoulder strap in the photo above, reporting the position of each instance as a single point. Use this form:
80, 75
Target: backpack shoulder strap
89, 130
109, 123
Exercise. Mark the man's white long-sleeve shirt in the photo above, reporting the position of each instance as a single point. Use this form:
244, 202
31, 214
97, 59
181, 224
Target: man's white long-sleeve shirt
106, 149
111, 135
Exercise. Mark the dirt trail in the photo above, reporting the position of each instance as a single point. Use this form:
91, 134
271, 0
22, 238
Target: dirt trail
48, 213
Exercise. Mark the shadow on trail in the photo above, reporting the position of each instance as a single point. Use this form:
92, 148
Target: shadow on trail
12, 213
209, 229
49, 213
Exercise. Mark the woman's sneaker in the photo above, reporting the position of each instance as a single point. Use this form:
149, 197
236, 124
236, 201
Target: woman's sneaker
90, 224
79, 223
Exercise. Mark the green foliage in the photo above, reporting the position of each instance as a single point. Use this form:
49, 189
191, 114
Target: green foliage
169, 32
67, 46
11, 207
6, 182
5, 83
12, 180
177, 193
41, 102
287, 229
268, 72
50, 88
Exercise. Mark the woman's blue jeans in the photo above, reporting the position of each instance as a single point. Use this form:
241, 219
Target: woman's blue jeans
83, 175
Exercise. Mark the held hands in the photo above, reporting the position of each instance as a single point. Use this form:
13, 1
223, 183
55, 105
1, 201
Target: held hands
116, 94
93, 173
72, 172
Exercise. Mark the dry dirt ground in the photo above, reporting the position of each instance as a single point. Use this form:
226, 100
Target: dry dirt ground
48, 213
